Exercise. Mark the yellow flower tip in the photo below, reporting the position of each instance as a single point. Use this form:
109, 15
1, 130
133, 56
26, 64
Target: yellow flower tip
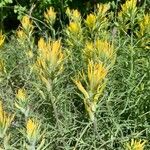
50, 55
76, 14
103, 8
26, 23
2, 38
21, 94
68, 12
50, 15
89, 45
73, 14
96, 74
90, 20
74, 27
104, 47
135, 145
20, 34
128, 6
32, 128
56, 55
145, 24
56, 46
89, 49
41, 43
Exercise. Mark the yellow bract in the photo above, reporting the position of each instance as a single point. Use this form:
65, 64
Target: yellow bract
51, 52
104, 47
21, 34
128, 8
135, 145
90, 20
49, 60
50, 15
74, 27
145, 25
93, 87
22, 101
32, 130
21, 94
5, 121
2, 38
26, 23
100, 50
129, 5
102, 9
74, 15
68, 11
96, 74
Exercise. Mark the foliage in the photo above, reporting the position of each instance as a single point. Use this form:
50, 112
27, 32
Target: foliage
83, 87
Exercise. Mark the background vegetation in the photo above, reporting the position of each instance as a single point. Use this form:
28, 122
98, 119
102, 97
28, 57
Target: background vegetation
75, 75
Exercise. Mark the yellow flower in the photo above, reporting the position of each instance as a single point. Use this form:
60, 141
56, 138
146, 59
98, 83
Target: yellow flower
100, 50
89, 50
68, 11
129, 4
21, 94
40, 64
2, 38
145, 25
43, 49
56, 56
96, 74
104, 47
135, 145
76, 15
128, 8
74, 27
49, 60
103, 8
90, 20
5, 121
50, 52
22, 102
26, 23
94, 86
21, 34
32, 130
50, 15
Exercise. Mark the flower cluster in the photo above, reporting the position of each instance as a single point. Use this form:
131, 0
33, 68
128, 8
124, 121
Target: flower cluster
74, 26
126, 15
27, 23
22, 102
50, 16
49, 63
97, 21
135, 145
95, 84
99, 50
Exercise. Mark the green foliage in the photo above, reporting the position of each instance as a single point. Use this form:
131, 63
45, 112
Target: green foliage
37, 74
